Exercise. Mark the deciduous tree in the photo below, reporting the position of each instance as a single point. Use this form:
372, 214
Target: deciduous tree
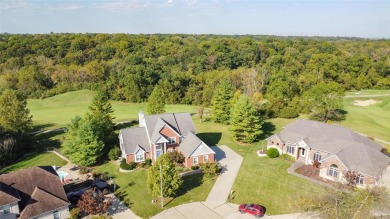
14, 114
94, 202
171, 181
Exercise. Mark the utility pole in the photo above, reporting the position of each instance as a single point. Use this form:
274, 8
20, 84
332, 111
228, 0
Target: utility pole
162, 197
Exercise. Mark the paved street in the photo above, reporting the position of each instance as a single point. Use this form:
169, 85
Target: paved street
119, 211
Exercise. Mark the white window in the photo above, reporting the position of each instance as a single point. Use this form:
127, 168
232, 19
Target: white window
360, 179
56, 215
158, 146
6, 209
317, 156
140, 157
290, 149
333, 171
205, 158
172, 140
195, 160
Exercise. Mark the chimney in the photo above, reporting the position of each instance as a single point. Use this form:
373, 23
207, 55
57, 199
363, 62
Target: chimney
141, 119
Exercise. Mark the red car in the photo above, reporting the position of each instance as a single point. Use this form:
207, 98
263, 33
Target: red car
254, 209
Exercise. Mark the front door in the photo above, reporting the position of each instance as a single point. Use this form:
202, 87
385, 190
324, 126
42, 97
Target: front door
303, 152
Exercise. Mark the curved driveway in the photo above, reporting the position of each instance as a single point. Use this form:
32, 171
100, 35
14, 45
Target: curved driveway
215, 205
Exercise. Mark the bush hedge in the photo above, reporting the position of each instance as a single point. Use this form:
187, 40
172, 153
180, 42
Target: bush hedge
287, 157
114, 153
75, 213
211, 168
130, 166
272, 153
195, 167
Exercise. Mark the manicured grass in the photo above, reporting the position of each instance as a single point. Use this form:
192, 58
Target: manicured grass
135, 194
367, 92
44, 159
372, 120
57, 111
260, 180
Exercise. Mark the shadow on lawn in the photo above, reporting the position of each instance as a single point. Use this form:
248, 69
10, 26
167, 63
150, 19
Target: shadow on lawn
210, 138
42, 126
46, 140
268, 129
189, 182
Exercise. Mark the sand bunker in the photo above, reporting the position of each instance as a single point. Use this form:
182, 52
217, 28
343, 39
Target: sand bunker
364, 102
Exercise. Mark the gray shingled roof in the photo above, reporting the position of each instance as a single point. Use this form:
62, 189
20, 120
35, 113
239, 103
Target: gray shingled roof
26, 183
357, 152
322, 136
180, 122
132, 137
191, 143
156, 132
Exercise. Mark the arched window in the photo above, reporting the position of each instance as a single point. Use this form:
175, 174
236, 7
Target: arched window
333, 171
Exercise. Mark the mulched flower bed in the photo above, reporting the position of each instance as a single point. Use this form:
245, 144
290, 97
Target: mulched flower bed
310, 171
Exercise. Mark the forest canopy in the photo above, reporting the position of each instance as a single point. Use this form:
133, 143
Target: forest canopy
189, 67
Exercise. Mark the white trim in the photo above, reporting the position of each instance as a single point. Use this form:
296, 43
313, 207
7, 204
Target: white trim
164, 140
174, 141
202, 143
193, 160
337, 158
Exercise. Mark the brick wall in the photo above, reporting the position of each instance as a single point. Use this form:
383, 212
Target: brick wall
168, 132
325, 165
189, 161
313, 150
276, 142
131, 157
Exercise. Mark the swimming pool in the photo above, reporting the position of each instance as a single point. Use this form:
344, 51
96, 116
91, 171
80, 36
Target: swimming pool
62, 174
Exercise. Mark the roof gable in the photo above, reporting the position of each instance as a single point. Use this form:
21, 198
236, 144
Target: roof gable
201, 150
191, 143
8, 194
26, 181
134, 137
41, 202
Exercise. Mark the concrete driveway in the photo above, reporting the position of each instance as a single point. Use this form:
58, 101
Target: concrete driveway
230, 162
119, 211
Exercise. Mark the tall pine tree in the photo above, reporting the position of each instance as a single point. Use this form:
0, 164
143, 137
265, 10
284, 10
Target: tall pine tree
156, 101
101, 116
245, 121
221, 102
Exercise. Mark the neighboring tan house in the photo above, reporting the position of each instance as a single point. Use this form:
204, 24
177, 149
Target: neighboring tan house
163, 133
338, 149
33, 193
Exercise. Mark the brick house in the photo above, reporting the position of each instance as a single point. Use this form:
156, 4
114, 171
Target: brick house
158, 134
36, 192
336, 148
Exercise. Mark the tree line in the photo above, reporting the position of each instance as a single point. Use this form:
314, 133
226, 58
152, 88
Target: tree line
188, 67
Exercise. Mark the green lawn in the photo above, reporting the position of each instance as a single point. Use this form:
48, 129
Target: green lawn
367, 92
44, 159
260, 180
133, 191
57, 111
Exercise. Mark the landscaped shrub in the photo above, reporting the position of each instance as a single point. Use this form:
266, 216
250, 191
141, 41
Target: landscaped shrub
195, 167
211, 168
287, 157
75, 213
124, 166
272, 152
96, 173
148, 162
114, 153
176, 157
84, 170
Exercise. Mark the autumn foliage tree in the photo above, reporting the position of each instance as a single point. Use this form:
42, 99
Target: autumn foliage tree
94, 202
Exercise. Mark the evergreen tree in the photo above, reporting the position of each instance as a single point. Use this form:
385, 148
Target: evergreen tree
156, 101
245, 123
82, 144
14, 114
171, 181
101, 117
221, 102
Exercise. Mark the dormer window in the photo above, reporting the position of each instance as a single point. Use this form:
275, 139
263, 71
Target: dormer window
172, 140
